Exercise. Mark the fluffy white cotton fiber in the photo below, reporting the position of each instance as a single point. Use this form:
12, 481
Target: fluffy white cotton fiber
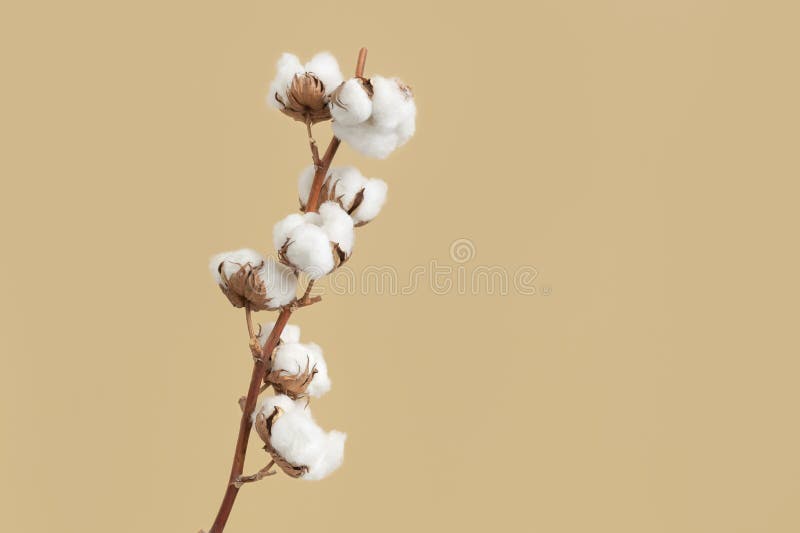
288, 66
292, 357
298, 439
338, 225
390, 124
279, 281
325, 67
351, 104
290, 333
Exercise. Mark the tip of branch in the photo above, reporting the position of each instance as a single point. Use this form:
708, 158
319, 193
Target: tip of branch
362, 59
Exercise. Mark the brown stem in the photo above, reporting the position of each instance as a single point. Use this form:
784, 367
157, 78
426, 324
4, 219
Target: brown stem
313, 144
362, 59
319, 176
260, 366
257, 377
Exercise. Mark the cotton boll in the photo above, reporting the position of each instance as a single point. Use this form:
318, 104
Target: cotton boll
351, 104
231, 262
345, 184
293, 358
374, 197
290, 333
338, 225
280, 283
288, 66
325, 67
392, 102
299, 440
310, 250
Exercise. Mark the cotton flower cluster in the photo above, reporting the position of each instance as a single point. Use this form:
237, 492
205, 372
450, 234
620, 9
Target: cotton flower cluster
245, 277
297, 369
302, 92
374, 116
361, 197
315, 243
294, 440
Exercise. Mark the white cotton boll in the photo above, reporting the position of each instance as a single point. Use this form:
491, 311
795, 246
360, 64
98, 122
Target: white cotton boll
279, 281
290, 333
233, 261
325, 67
288, 66
392, 104
338, 225
310, 250
299, 440
374, 197
351, 105
292, 357
368, 139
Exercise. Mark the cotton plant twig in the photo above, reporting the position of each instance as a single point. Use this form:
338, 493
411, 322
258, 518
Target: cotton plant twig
307, 94
260, 367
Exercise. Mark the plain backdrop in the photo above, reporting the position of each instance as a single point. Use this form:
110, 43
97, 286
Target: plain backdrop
637, 158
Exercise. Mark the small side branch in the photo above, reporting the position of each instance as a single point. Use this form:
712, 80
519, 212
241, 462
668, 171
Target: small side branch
258, 476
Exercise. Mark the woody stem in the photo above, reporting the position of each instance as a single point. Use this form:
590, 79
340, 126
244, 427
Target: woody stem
322, 168
260, 366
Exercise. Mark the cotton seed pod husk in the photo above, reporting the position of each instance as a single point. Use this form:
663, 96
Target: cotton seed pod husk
263, 427
244, 287
306, 100
292, 385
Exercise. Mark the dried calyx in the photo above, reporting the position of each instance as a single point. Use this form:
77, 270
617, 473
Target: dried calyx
306, 100
303, 91
247, 279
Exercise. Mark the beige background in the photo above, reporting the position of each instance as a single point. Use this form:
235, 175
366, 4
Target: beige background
642, 156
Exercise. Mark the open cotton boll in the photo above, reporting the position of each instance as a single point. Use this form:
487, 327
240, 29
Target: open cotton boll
294, 358
338, 225
229, 263
288, 66
350, 104
325, 67
375, 192
298, 439
310, 250
290, 333
279, 281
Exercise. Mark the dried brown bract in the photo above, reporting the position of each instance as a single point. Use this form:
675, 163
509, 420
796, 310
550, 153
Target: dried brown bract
306, 100
293, 385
